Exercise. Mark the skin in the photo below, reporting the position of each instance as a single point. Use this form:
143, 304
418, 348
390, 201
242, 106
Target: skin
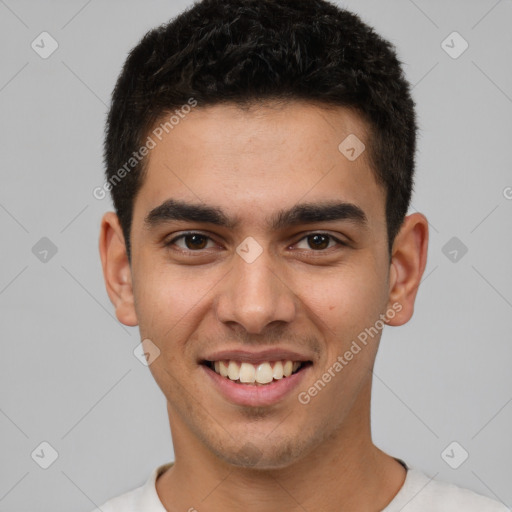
251, 164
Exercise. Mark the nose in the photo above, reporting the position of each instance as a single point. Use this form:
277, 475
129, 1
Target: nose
253, 295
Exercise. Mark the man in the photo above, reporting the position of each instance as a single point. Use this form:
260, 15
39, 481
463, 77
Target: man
260, 155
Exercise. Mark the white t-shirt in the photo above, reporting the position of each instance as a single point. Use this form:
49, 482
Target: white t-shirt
418, 494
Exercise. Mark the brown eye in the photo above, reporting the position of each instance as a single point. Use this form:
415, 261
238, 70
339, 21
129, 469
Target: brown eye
190, 241
195, 241
318, 241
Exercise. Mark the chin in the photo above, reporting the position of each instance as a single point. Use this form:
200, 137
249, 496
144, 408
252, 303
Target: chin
263, 455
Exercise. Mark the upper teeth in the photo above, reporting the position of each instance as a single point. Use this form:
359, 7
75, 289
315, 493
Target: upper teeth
262, 373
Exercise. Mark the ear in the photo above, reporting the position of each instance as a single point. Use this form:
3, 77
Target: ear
408, 261
116, 269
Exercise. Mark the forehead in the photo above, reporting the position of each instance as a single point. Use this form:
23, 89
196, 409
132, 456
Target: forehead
254, 161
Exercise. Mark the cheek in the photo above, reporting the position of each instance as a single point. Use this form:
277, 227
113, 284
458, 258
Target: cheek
347, 299
171, 303
161, 299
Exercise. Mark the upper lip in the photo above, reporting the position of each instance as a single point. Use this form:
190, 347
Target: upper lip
254, 357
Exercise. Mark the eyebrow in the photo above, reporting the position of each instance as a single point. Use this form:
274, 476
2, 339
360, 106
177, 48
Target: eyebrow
305, 213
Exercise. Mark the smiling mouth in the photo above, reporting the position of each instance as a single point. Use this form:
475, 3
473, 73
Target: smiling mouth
260, 374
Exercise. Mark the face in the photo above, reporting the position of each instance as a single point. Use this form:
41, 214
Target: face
256, 241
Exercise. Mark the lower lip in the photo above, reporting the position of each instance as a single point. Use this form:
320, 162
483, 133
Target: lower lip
254, 395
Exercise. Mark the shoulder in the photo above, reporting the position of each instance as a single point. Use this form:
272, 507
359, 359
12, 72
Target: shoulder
421, 493
126, 502
143, 498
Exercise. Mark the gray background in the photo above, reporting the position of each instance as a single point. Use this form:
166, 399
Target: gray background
68, 375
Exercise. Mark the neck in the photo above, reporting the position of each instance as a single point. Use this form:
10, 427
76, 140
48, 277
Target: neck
345, 472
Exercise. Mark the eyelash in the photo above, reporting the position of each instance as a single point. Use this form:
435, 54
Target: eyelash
199, 251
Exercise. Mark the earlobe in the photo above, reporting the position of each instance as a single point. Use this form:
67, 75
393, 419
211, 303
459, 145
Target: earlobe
116, 269
408, 261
